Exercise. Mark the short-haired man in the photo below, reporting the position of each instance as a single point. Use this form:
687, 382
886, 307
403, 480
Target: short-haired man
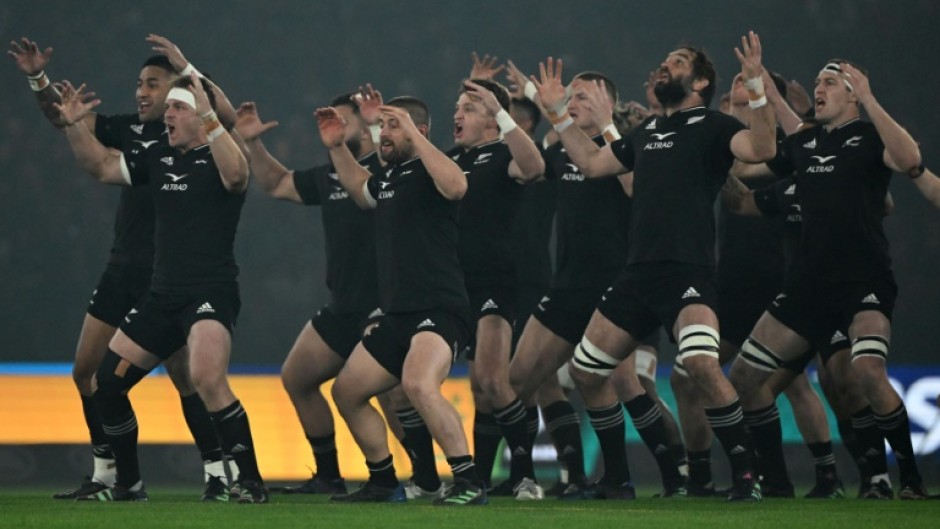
198, 180
421, 292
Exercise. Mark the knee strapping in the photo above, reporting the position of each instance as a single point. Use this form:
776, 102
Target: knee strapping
679, 369
645, 363
696, 340
116, 376
564, 377
871, 345
759, 357
588, 357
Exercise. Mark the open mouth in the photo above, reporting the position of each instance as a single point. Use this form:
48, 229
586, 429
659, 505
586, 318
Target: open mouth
458, 129
143, 107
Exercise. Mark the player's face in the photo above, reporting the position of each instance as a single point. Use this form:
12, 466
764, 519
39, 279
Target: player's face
183, 125
673, 80
579, 106
152, 87
354, 128
832, 97
472, 122
395, 147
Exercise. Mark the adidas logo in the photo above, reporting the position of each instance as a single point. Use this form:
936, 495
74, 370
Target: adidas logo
129, 314
167, 160
490, 304
738, 449
790, 190
660, 449
239, 448
376, 313
205, 307
810, 144
569, 450
838, 336
138, 129
520, 451
691, 293
652, 125
871, 298
426, 323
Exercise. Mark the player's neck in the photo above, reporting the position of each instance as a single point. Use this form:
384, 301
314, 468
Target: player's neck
690, 101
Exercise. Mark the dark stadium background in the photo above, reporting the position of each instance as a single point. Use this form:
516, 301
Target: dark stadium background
292, 56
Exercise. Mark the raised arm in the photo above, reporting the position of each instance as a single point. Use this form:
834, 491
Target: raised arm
901, 151
485, 68
788, 119
275, 179
447, 175
103, 164
527, 163
369, 100
232, 164
759, 142
352, 176
32, 63
593, 161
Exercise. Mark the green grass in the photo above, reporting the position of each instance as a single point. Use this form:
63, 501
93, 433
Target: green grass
169, 508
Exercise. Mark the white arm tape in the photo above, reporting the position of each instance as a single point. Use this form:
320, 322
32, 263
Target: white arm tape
368, 195
189, 69
375, 131
125, 172
530, 90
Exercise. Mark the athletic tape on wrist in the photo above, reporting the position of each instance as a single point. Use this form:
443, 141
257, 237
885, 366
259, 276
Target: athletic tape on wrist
190, 69
757, 103
375, 131
611, 134
563, 124
505, 121
39, 81
530, 91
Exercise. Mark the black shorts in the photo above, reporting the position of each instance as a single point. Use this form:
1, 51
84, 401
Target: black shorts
118, 290
487, 301
648, 295
567, 313
739, 308
160, 323
341, 332
813, 308
528, 296
798, 364
839, 341
390, 340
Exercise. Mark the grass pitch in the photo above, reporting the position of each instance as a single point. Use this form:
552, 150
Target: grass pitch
170, 508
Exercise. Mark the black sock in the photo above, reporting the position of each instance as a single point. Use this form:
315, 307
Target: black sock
728, 425
120, 425
512, 422
608, 424
767, 433
896, 428
200, 425
682, 460
532, 424
382, 473
463, 468
420, 449
871, 441
234, 431
565, 428
700, 469
325, 456
486, 439
648, 421
823, 457
100, 443
850, 440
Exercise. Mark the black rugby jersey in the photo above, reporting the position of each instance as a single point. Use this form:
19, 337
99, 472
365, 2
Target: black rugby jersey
416, 241
133, 220
196, 217
841, 184
778, 201
532, 233
592, 220
679, 164
350, 236
750, 249
487, 214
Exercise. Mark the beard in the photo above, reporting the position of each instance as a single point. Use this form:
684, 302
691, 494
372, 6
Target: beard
398, 155
671, 93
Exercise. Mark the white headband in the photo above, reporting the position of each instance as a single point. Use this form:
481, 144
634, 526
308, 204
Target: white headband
836, 68
181, 94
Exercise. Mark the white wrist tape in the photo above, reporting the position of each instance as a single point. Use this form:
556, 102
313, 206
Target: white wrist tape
611, 134
755, 85
375, 131
563, 124
530, 90
38, 82
215, 133
505, 121
189, 69
757, 103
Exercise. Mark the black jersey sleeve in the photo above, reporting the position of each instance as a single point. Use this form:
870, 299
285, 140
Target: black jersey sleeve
373, 186
623, 151
727, 128
550, 155
782, 164
106, 130
307, 184
138, 163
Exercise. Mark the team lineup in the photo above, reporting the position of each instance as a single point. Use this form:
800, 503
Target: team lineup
433, 255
